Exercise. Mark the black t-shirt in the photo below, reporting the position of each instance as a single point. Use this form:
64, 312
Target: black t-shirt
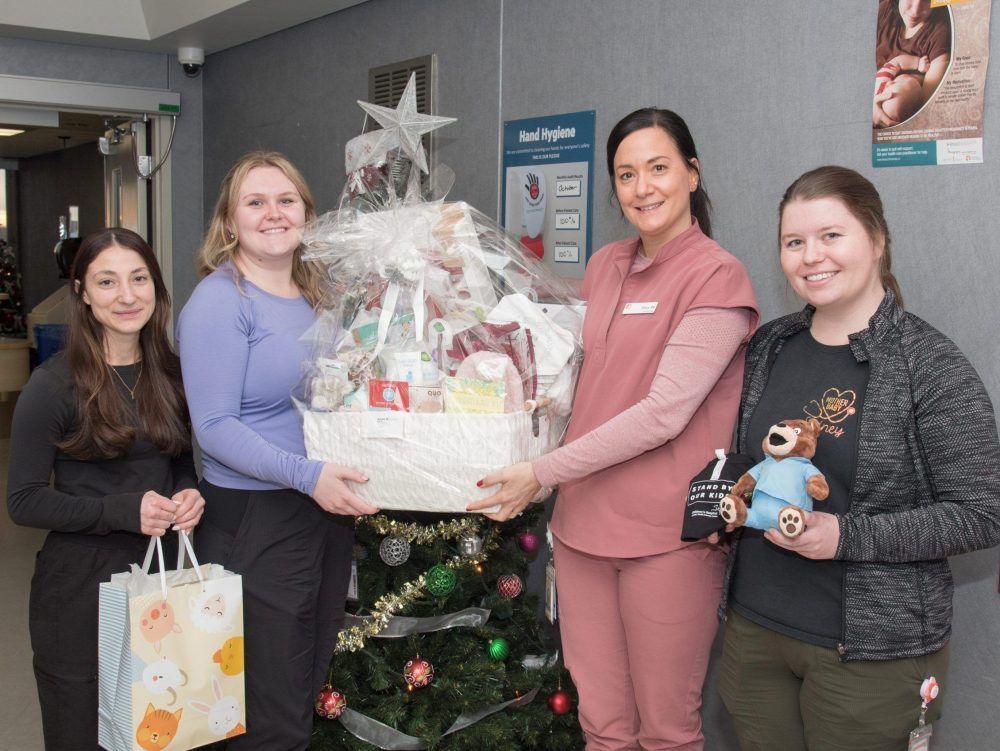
774, 587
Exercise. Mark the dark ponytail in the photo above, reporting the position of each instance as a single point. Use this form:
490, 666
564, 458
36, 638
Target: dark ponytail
674, 126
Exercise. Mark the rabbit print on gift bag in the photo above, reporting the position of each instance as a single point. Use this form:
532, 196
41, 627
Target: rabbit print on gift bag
224, 716
170, 649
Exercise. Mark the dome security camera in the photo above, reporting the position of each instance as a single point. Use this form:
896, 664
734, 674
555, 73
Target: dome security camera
191, 59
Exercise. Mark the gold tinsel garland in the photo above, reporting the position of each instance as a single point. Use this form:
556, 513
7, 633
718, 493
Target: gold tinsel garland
423, 534
387, 606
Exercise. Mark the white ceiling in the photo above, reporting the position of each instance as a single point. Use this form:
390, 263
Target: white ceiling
158, 25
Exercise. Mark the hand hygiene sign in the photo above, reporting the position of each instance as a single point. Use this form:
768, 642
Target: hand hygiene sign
547, 185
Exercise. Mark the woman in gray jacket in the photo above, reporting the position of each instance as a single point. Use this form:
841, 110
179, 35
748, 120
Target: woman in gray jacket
830, 634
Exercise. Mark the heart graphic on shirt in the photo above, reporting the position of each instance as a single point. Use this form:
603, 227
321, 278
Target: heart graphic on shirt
834, 406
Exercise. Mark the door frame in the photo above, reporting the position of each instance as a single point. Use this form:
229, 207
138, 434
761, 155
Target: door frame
159, 106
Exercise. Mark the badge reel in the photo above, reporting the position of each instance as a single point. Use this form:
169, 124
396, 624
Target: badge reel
352, 583
920, 736
551, 605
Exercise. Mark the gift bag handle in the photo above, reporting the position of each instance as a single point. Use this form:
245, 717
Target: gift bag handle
155, 544
186, 546
717, 469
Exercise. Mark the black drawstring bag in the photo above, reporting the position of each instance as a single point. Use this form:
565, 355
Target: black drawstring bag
708, 487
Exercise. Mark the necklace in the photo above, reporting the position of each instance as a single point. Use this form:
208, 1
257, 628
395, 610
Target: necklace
131, 391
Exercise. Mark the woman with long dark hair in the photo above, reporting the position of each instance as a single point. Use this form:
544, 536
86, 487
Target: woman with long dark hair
830, 634
668, 313
281, 520
107, 418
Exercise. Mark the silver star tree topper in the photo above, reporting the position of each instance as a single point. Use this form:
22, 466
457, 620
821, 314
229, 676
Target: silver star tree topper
406, 123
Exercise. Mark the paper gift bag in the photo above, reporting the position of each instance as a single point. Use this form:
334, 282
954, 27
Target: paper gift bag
170, 656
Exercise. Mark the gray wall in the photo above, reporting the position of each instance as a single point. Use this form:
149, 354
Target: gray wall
46, 186
769, 90
20, 57
296, 91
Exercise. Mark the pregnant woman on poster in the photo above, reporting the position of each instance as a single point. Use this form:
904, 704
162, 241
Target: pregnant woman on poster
830, 635
668, 313
107, 419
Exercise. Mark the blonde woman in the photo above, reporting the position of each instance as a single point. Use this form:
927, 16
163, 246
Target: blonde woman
281, 520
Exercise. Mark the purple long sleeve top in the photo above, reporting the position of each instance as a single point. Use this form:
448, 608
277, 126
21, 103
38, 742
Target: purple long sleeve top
241, 355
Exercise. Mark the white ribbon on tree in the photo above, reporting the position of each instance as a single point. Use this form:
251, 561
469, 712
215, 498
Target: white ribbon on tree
384, 737
400, 626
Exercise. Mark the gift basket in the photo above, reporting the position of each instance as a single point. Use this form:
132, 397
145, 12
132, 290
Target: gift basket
445, 351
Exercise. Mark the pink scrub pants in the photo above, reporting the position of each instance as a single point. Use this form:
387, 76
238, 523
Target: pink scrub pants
636, 636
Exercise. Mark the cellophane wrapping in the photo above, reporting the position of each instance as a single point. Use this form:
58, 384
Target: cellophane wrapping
444, 350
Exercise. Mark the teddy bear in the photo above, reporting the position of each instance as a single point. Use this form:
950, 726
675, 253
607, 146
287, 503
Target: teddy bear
775, 493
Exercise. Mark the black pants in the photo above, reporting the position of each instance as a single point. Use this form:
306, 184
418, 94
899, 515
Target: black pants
62, 621
295, 561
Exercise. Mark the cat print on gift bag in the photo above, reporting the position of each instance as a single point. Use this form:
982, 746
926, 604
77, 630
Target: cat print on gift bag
224, 715
230, 656
157, 622
158, 728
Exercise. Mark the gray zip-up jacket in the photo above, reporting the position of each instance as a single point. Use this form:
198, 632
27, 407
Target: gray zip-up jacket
926, 483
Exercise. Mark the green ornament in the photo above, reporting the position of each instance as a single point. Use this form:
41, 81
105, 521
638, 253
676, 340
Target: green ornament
440, 580
499, 649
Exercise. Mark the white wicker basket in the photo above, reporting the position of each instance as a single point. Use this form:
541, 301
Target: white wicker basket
427, 462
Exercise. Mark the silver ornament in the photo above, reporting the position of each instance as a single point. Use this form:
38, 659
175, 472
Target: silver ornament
395, 551
470, 545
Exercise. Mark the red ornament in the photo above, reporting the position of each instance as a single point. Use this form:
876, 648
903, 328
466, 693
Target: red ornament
510, 586
418, 672
330, 703
528, 542
560, 702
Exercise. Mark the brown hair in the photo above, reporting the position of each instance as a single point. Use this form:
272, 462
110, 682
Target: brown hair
221, 244
859, 197
104, 428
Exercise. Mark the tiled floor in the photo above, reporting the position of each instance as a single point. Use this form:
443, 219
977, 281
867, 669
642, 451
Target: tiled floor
20, 719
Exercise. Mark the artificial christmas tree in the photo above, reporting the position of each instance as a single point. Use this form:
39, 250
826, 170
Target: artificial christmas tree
434, 364
486, 650
11, 298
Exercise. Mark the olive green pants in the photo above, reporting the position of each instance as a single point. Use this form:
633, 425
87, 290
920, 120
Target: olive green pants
787, 695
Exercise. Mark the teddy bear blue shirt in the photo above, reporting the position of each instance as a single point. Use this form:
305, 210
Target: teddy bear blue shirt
780, 483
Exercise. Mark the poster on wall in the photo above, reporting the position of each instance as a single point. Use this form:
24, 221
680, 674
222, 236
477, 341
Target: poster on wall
547, 185
930, 72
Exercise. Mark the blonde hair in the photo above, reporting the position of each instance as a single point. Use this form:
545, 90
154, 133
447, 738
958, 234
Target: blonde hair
221, 243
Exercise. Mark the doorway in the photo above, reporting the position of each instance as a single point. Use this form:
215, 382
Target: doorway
74, 165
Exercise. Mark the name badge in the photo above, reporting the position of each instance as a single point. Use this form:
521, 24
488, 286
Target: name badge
638, 308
